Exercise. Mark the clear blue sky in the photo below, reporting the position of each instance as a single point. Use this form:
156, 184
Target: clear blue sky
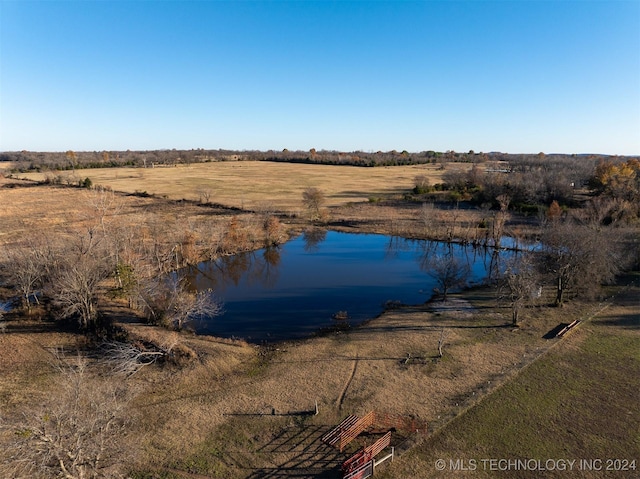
512, 76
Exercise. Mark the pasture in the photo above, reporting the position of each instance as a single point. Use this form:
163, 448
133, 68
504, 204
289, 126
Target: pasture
257, 185
577, 402
232, 412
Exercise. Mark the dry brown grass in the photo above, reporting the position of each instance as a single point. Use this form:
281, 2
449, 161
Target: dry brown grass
346, 373
195, 408
38, 214
27, 357
213, 416
258, 184
41, 210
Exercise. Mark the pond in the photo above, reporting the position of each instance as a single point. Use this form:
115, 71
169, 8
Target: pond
303, 286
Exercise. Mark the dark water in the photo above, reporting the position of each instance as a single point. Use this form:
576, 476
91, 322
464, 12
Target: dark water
295, 290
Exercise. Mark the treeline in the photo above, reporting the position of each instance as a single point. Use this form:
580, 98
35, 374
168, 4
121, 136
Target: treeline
534, 182
23, 161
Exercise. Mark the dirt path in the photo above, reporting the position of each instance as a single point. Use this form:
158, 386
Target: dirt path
346, 385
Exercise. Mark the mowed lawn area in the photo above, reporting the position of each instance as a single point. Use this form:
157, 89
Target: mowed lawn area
257, 185
578, 402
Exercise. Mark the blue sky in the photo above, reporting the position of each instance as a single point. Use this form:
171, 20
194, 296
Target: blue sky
512, 76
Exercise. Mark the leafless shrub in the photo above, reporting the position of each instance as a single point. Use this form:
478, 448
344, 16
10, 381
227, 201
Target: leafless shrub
441, 342
126, 359
422, 184
313, 199
274, 231
167, 302
204, 195
604, 211
236, 237
79, 433
266, 209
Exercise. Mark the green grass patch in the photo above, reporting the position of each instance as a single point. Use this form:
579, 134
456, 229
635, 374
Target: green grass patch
577, 402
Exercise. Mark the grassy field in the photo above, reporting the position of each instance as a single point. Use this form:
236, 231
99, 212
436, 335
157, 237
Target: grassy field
233, 432
34, 210
578, 402
256, 185
355, 196
241, 411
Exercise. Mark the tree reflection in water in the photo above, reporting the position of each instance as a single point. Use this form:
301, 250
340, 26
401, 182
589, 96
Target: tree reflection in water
312, 238
259, 267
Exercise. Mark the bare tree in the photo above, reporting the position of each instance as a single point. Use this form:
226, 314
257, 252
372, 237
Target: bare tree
74, 280
79, 433
428, 219
73, 159
103, 202
313, 199
214, 239
578, 258
448, 271
74, 289
500, 218
518, 284
26, 267
451, 222
159, 250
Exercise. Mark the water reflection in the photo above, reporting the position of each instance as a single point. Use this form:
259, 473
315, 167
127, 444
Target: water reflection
256, 267
296, 289
397, 245
312, 238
